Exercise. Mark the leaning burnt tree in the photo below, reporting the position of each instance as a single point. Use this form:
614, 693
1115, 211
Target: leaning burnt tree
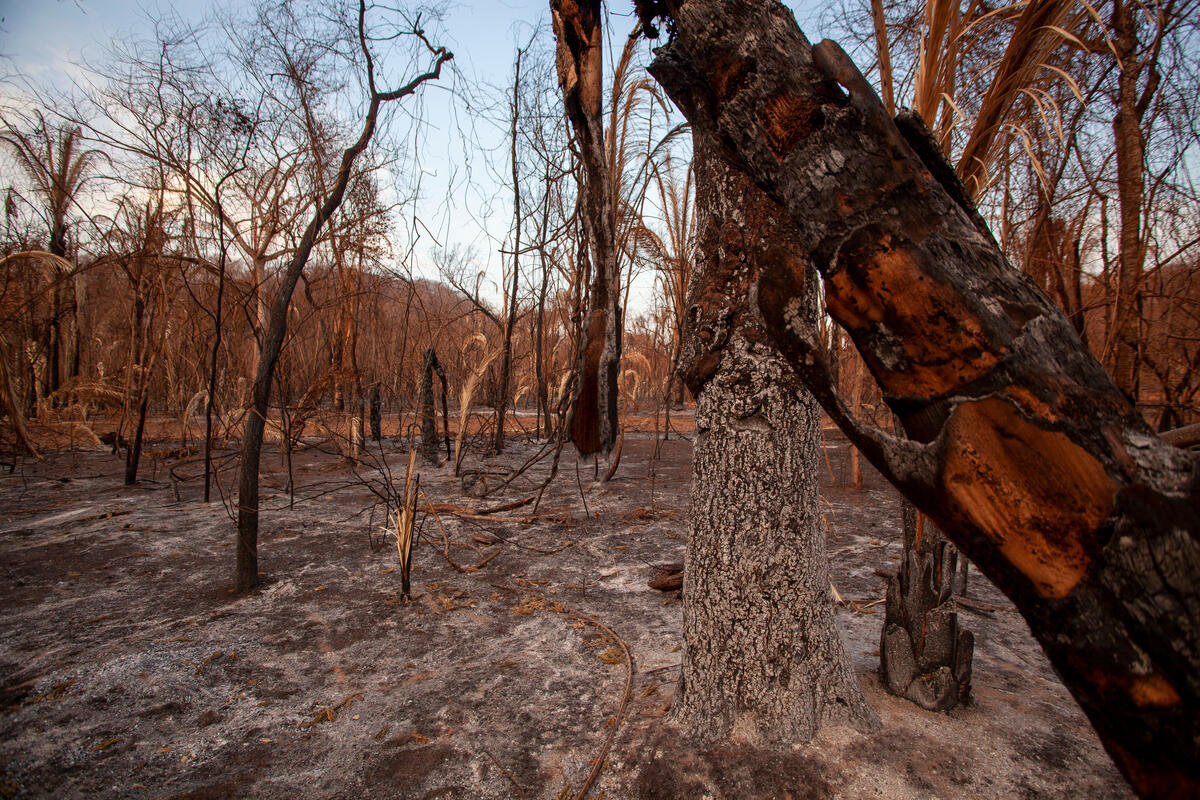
256, 418
1020, 447
762, 658
579, 59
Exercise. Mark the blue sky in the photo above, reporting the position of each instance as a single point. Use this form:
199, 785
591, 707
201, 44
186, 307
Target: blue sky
45, 40
45, 36
45, 33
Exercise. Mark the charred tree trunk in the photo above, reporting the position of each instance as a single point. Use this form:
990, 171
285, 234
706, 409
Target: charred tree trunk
1131, 167
215, 355
924, 655
578, 29
510, 319
77, 299
539, 366
376, 411
58, 247
762, 658
445, 409
133, 453
429, 432
1020, 448
539, 336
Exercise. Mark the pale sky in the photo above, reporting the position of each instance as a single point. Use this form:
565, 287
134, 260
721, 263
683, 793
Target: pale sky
45, 40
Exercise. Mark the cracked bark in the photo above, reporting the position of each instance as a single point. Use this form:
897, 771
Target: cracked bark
762, 661
1021, 448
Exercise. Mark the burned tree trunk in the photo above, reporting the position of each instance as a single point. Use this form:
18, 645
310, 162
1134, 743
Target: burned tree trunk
762, 658
376, 413
1020, 448
924, 655
246, 571
578, 29
429, 433
133, 455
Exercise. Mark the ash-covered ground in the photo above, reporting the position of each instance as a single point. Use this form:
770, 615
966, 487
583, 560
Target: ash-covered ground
129, 669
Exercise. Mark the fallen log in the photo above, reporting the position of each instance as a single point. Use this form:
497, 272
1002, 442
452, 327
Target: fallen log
667, 577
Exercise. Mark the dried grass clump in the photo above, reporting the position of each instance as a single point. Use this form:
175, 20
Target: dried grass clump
467, 395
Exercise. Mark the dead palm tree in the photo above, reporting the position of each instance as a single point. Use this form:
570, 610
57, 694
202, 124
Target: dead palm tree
672, 251
57, 168
964, 94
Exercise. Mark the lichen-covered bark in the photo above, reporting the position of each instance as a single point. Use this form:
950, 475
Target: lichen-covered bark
762, 659
1020, 447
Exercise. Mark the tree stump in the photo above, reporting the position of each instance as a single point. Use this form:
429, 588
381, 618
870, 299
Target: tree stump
925, 656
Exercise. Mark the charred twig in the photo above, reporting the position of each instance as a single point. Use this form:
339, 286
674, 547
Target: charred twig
507, 773
429, 507
626, 695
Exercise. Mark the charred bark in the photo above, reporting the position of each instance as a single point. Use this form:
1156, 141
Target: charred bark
579, 59
762, 659
924, 655
1021, 448
429, 432
376, 413
133, 455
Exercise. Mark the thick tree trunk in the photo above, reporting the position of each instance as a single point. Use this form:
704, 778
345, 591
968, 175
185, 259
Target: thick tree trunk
1021, 448
762, 659
578, 29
